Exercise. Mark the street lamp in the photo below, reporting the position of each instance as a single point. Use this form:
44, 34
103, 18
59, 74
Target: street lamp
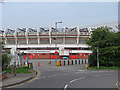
56, 38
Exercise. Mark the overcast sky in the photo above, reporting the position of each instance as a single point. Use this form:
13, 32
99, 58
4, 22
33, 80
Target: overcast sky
45, 14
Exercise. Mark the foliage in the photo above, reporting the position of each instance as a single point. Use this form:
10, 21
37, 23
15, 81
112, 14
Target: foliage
20, 70
5, 60
108, 44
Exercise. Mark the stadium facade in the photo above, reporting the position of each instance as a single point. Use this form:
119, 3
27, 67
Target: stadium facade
48, 43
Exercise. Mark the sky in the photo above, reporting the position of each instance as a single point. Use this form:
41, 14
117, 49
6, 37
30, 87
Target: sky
45, 14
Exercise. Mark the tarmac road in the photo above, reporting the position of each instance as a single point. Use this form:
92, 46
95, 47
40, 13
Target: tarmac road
71, 76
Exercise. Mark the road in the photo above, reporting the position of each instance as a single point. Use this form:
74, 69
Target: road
71, 76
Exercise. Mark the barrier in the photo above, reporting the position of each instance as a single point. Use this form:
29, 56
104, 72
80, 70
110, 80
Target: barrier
64, 62
72, 62
68, 62
79, 61
86, 66
85, 61
82, 61
75, 61
60, 63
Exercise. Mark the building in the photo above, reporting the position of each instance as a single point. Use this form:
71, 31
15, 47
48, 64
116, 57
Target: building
41, 43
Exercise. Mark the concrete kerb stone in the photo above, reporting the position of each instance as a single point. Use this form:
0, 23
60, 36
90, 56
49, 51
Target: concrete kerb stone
36, 72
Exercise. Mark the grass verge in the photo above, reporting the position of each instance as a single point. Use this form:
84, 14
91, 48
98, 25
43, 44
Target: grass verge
103, 68
20, 70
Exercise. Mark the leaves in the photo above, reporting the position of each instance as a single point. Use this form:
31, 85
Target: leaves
109, 47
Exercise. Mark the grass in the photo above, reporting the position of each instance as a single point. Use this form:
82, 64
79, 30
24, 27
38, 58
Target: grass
20, 70
103, 68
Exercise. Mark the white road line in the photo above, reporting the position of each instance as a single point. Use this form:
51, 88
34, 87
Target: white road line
72, 82
101, 74
65, 87
54, 75
43, 77
49, 76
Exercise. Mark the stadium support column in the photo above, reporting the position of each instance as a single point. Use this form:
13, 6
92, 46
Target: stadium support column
27, 29
15, 36
38, 31
78, 35
89, 32
64, 35
5, 36
50, 35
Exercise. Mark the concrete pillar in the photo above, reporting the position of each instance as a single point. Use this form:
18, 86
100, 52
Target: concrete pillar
38, 37
50, 39
78, 35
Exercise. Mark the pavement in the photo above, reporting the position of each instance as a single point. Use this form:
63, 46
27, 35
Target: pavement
12, 80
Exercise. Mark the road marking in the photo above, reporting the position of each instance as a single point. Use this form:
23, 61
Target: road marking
65, 87
101, 74
49, 76
72, 82
118, 85
43, 77
81, 70
54, 75
38, 75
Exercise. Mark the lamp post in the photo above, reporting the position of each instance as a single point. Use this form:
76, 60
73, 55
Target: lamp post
56, 39
97, 58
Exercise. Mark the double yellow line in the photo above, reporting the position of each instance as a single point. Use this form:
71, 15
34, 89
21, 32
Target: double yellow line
118, 85
37, 76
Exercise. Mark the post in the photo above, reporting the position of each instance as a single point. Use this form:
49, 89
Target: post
11, 69
56, 42
14, 68
97, 58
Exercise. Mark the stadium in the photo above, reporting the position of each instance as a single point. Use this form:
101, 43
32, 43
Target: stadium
42, 43
49, 43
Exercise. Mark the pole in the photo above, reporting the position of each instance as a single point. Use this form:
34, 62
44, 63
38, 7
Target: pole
56, 42
97, 58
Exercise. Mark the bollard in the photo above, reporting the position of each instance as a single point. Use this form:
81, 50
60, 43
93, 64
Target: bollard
14, 68
85, 61
86, 66
60, 63
75, 61
82, 61
11, 69
72, 62
79, 61
64, 62
68, 62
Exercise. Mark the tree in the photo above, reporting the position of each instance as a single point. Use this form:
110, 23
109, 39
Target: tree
108, 43
5, 61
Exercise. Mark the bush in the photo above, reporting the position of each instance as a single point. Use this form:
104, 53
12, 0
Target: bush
5, 61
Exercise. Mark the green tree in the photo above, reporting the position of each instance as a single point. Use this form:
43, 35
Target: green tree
5, 61
108, 43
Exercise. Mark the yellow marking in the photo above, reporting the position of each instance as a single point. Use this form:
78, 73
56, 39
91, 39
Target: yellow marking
38, 75
118, 85
86, 66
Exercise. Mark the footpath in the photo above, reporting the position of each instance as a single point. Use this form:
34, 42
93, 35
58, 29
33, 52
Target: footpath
12, 80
